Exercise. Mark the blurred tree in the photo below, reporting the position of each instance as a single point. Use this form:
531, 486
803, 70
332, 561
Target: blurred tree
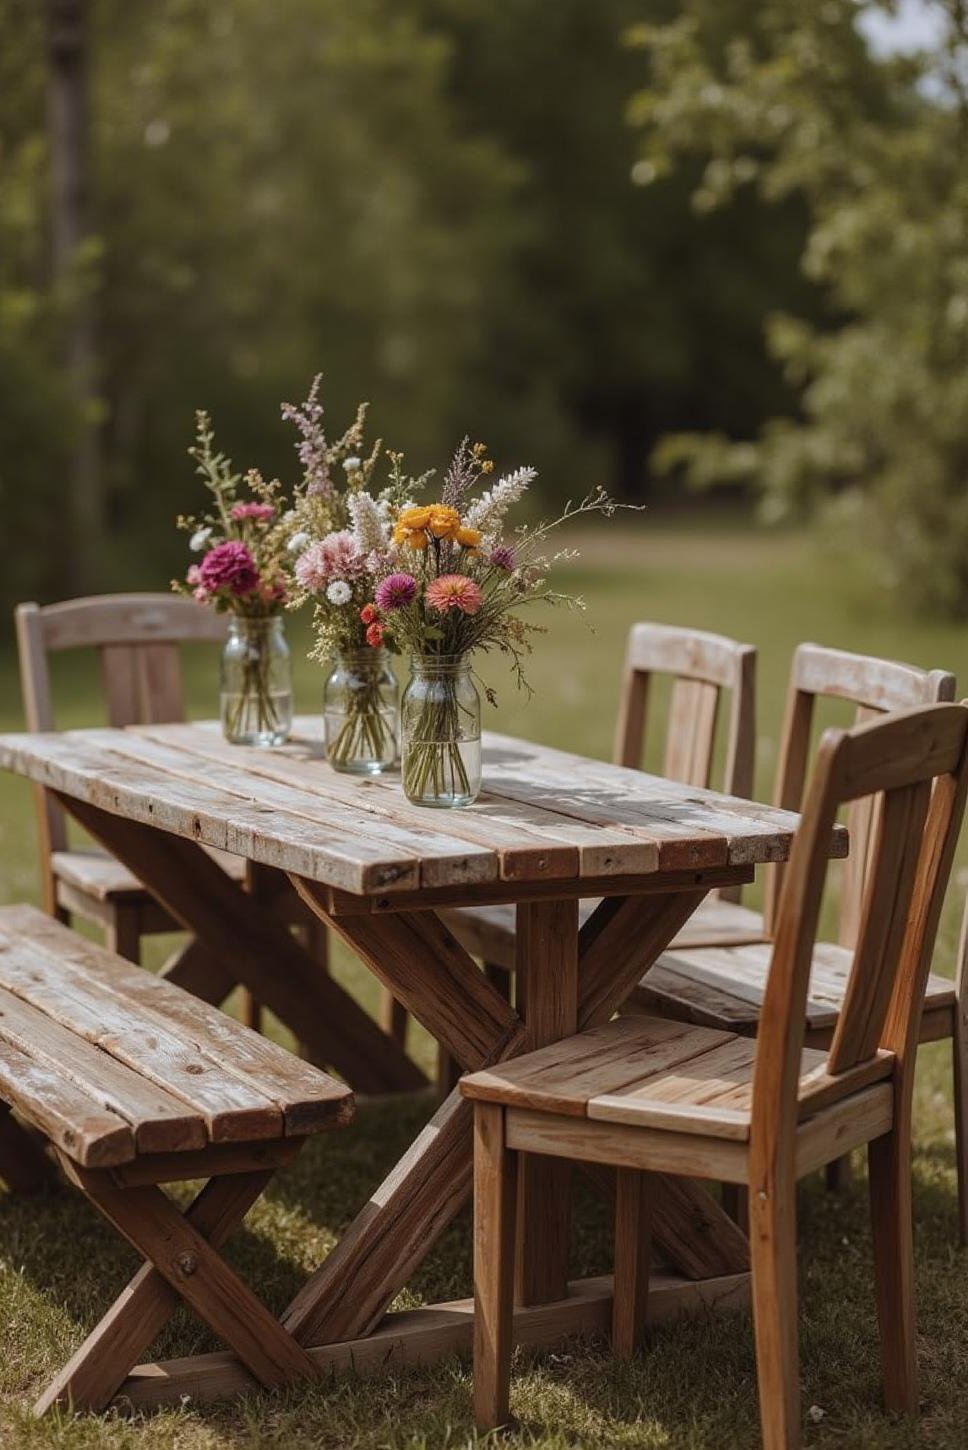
39, 423
619, 311
428, 199
878, 149
67, 110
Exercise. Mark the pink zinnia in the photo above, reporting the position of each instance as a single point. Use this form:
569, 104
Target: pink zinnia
261, 512
396, 592
229, 566
454, 591
336, 557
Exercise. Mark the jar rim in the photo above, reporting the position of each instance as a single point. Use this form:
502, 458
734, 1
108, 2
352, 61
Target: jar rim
254, 621
440, 662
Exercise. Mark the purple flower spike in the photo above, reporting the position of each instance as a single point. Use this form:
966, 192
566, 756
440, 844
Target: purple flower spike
396, 592
502, 557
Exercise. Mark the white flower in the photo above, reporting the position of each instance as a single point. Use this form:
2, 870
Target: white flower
339, 592
199, 539
369, 527
487, 513
289, 517
298, 542
352, 465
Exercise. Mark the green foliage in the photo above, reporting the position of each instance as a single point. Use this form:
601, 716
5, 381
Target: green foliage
797, 105
429, 200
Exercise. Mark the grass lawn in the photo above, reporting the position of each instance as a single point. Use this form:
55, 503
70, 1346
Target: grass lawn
695, 1386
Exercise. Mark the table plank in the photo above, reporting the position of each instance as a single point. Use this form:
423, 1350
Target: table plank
532, 842
68, 763
546, 814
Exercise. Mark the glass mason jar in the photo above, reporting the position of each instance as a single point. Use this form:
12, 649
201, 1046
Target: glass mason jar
361, 712
441, 730
256, 682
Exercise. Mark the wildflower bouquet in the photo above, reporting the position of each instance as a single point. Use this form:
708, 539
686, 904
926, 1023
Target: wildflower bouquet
243, 571
340, 542
451, 586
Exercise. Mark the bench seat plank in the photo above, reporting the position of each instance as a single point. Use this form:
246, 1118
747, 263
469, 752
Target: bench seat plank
308, 1099
159, 1051
48, 1100
161, 1123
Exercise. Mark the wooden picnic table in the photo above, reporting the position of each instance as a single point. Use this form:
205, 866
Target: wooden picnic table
550, 829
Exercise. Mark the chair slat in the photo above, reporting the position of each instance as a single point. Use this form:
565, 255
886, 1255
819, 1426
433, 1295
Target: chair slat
887, 900
691, 732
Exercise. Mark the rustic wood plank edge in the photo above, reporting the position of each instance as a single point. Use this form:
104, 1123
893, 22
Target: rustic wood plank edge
417, 1337
497, 893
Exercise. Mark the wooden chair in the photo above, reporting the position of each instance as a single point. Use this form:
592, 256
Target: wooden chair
137, 637
135, 1084
649, 1096
724, 986
704, 668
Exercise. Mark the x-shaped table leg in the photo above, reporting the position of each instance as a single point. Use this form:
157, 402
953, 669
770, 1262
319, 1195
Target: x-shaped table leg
415, 955
182, 1263
255, 945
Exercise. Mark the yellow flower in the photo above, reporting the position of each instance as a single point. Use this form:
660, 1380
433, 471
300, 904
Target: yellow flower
444, 521
468, 538
415, 518
417, 539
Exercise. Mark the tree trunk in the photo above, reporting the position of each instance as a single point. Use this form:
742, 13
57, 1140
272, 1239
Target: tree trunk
67, 110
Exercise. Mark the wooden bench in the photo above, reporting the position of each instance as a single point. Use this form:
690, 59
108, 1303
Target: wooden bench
134, 1083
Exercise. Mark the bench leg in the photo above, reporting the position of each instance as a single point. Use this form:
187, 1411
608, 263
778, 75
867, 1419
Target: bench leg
182, 1263
23, 1164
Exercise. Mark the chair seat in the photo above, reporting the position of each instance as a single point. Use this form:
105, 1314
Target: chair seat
723, 987
488, 931
111, 1062
653, 1073
102, 877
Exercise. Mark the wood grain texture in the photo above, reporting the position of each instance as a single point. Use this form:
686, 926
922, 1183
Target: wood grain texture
421, 1337
261, 951
97, 1369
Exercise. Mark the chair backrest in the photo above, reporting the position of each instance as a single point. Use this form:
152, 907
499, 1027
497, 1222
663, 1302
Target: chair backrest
915, 764
137, 637
876, 687
702, 667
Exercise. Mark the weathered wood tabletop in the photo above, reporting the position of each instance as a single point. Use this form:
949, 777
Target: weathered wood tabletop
549, 829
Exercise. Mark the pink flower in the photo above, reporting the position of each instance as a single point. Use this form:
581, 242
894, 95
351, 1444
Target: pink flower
374, 635
454, 591
335, 557
229, 566
396, 592
261, 512
194, 575
502, 557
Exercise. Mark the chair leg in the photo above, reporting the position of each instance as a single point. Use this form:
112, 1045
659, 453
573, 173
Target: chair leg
123, 932
448, 1073
889, 1168
959, 1047
633, 1252
495, 1200
773, 1265
393, 1017
736, 1202
317, 944
839, 1175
